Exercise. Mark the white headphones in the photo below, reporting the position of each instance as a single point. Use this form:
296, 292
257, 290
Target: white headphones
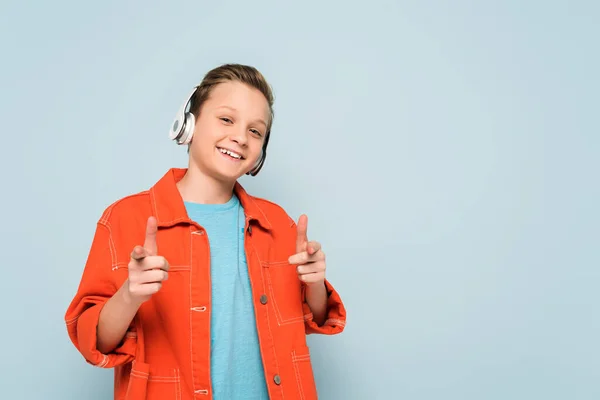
182, 131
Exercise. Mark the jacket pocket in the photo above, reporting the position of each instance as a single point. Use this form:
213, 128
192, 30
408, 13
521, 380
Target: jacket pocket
284, 291
307, 389
150, 382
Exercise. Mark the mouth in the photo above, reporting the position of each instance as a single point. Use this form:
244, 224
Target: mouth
231, 154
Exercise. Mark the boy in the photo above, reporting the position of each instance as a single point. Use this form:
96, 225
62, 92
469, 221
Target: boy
217, 302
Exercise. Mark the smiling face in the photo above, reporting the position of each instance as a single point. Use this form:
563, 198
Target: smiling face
230, 131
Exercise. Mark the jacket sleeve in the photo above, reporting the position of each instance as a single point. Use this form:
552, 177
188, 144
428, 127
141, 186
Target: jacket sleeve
96, 287
335, 320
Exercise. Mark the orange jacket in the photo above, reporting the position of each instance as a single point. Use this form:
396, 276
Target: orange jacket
166, 352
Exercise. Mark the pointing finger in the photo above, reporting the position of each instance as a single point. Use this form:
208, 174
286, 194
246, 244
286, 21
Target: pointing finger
301, 238
150, 242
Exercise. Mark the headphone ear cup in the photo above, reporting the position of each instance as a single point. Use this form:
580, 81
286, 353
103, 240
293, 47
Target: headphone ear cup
177, 128
261, 159
259, 164
183, 126
188, 129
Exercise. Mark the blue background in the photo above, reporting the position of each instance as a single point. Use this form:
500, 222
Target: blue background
446, 153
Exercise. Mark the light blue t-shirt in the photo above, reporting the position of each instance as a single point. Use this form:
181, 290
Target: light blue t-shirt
236, 365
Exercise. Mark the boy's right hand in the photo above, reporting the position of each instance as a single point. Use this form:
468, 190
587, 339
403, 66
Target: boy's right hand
147, 270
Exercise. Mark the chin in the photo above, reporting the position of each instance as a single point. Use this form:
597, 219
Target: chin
226, 174
225, 177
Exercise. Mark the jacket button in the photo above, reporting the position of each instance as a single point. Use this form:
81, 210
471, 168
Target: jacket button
277, 380
263, 299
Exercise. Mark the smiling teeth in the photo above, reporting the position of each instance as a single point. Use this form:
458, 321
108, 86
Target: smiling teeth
230, 153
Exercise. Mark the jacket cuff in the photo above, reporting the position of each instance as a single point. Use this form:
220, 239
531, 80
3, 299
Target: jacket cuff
335, 321
83, 333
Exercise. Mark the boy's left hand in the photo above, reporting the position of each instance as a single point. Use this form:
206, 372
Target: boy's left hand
309, 257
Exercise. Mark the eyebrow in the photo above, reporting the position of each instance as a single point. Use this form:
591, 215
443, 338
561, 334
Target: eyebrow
235, 110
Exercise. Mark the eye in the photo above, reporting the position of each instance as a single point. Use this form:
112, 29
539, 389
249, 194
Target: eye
257, 133
226, 120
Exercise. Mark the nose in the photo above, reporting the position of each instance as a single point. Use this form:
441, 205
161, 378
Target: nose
240, 136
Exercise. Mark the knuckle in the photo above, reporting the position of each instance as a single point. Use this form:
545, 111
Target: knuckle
150, 263
151, 276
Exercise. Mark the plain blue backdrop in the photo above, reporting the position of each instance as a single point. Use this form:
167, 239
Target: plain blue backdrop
446, 153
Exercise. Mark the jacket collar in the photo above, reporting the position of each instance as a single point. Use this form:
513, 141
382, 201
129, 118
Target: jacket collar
169, 209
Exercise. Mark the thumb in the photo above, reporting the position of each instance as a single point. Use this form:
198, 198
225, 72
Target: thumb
150, 242
301, 238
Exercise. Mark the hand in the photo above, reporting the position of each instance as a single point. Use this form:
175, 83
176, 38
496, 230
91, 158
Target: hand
309, 257
147, 271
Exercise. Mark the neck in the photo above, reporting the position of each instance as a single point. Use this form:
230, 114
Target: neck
197, 187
